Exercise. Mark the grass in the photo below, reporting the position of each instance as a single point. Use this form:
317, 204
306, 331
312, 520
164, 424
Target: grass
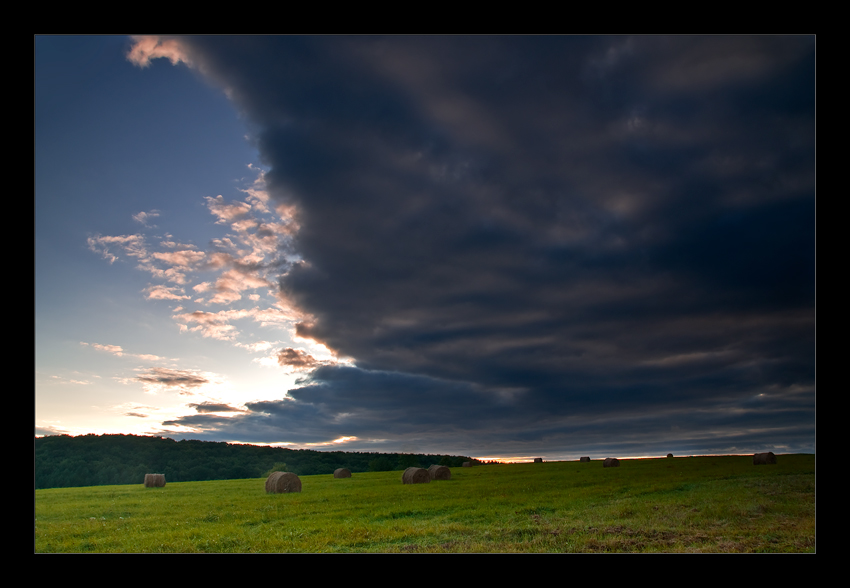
696, 504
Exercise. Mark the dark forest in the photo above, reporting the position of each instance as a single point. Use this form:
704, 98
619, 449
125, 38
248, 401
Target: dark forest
63, 461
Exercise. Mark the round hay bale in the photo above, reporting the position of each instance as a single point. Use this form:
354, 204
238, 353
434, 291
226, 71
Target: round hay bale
438, 472
538, 460
415, 476
342, 473
154, 480
611, 462
467, 464
282, 482
764, 458
669, 455
584, 459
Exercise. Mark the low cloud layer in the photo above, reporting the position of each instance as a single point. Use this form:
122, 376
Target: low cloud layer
528, 243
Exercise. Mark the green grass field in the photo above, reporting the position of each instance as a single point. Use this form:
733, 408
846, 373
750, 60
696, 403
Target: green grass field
689, 504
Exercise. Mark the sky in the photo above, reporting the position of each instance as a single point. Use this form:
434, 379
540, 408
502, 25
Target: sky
498, 247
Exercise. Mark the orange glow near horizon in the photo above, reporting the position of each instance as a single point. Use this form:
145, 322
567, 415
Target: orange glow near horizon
525, 459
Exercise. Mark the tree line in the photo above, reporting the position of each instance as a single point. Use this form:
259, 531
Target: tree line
62, 461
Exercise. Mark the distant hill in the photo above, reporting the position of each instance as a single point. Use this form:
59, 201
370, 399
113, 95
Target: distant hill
63, 461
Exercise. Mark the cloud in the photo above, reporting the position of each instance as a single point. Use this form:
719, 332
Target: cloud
113, 349
145, 217
118, 351
185, 258
62, 380
529, 240
332, 403
183, 381
298, 359
132, 245
257, 346
717, 61
217, 325
227, 213
381, 410
47, 431
148, 47
209, 324
204, 407
230, 284
165, 293
249, 260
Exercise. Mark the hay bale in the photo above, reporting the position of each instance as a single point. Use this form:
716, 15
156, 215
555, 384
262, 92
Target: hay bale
584, 459
438, 472
764, 458
538, 460
154, 480
669, 455
282, 482
467, 464
611, 462
342, 473
415, 476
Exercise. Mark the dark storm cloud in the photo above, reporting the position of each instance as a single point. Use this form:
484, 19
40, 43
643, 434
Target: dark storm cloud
617, 228
337, 401
390, 411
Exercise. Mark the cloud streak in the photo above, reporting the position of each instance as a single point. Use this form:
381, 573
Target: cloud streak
158, 379
118, 351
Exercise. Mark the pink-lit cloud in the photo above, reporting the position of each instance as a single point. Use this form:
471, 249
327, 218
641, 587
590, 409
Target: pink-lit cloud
148, 47
245, 263
184, 258
214, 325
113, 349
165, 293
227, 212
232, 282
218, 259
132, 245
244, 225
